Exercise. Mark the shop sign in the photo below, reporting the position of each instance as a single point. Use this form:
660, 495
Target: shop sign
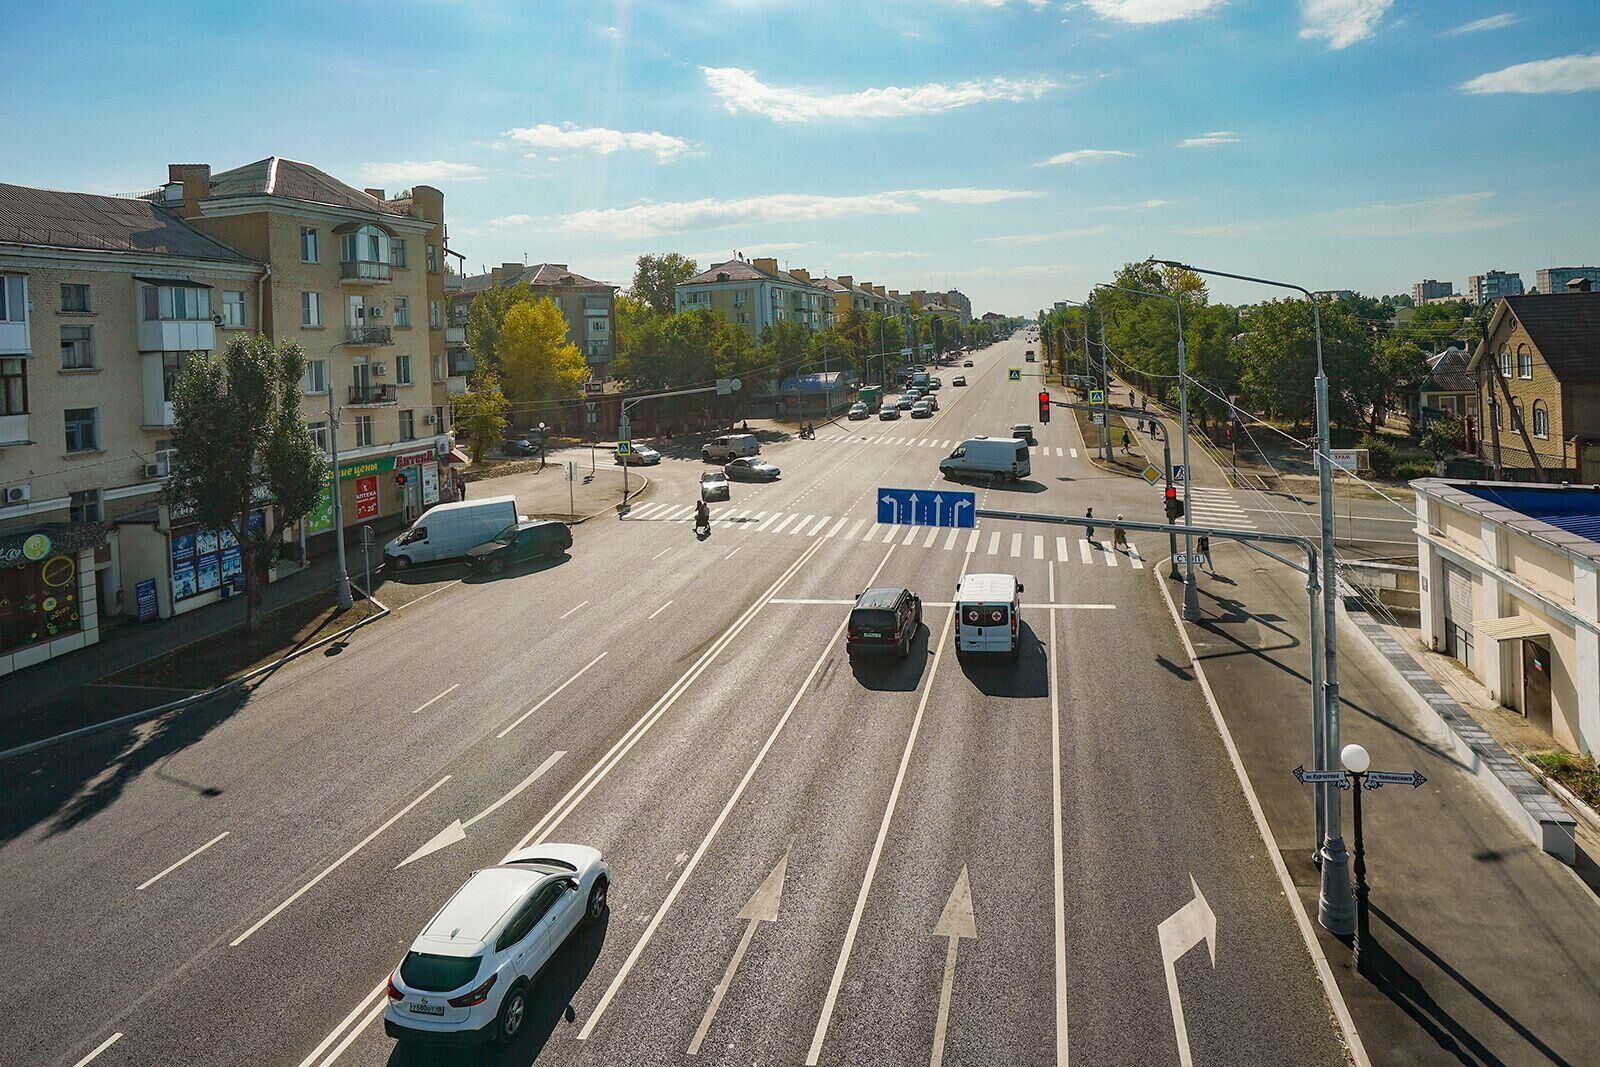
363, 467
320, 518
430, 484
414, 459
367, 495
22, 549
144, 595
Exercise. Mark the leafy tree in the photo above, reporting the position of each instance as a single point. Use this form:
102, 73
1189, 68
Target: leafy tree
486, 317
539, 364
1443, 436
1278, 360
1397, 364
685, 348
786, 345
656, 277
238, 440
481, 411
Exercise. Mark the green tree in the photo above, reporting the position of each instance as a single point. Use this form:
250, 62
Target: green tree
481, 411
1443, 436
656, 277
238, 440
486, 317
1397, 364
1278, 360
539, 364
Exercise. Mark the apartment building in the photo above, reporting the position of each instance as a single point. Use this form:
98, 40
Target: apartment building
1493, 285
1430, 289
861, 298
1549, 280
589, 306
754, 294
953, 300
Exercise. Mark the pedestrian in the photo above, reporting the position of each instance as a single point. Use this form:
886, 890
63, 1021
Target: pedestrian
1130, 398
1144, 403
1119, 537
1203, 550
1089, 533
1127, 441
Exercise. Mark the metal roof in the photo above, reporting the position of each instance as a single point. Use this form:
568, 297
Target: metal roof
57, 219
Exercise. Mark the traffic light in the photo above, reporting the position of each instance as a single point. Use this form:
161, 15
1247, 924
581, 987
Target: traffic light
1174, 505
1044, 407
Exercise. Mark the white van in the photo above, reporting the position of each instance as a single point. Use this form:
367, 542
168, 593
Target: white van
1002, 458
448, 530
988, 614
730, 446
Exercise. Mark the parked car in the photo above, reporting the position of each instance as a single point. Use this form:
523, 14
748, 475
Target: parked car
714, 487
730, 446
858, 411
638, 455
446, 531
958, 380
752, 470
921, 410
467, 976
884, 619
534, 539
988, 614
889, 413
1022, 431
968, 363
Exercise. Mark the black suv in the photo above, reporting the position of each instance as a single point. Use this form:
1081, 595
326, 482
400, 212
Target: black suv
524, 540
884, 618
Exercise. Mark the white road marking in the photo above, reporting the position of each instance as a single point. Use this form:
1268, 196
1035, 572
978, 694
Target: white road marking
890, 534
933, 535
436, 699
808, 600
911, 534
955, 923
658, 611
575, 607
1134, 558
1058, 453
972, 543
761, 907
425, 596
994, 543
1016, 545
768, 521
550, 695
330, 868
1038, 546
722, 816
1061, 550
648, 509
346, 1021
731, 519
1110, 553
820, 524
457, 831
658, 555
950, 542
1083, 551
1057, 830
107, 1043
853, 528
156, 878
731, 554
1178, 933
797, 526
872, 532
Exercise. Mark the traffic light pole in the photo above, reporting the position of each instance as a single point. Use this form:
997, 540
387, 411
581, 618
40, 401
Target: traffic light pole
724, 387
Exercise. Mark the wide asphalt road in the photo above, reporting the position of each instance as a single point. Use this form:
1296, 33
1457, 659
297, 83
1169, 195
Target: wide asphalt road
230, 886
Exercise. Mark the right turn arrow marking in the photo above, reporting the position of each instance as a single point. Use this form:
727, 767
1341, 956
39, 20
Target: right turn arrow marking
1180, 932
955, 922
762, 907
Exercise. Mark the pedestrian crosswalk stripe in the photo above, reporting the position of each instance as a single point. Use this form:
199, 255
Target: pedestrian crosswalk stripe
857, 526
933, 534
1061, 549
872, 533
779, 528
1083, 550
911, 535
994, 543
1111, 553
891, 534
1016, 545
768, 521
639, 513
1038, 546
821, 523
801, 524
951, 540
1134, 558
1074, 452
732, 519
972, 543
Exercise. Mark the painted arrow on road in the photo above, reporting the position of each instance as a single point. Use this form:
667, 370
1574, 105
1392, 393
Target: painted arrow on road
457, 831
762, 907
955, 922
1180, 932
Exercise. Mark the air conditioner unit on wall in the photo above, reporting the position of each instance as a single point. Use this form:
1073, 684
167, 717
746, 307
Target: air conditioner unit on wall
16, 494
150, 470
428, 420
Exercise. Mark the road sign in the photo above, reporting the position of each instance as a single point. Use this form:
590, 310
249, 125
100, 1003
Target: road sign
624, 448
728, 385
1014, 374
925, 507
1349, 459
1151, 474
1178, 472
1097, 396
906, 351
1181, 559
1321, 777
594, 386
1376, 779
1097, 418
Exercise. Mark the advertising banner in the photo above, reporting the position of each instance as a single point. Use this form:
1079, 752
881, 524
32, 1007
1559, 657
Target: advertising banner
430, 484
367, 496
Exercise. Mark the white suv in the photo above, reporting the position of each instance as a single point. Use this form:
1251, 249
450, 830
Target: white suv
468, 974
730, 446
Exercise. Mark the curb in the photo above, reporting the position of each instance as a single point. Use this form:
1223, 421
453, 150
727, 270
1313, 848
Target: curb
611, 508
190, 701
1583, 812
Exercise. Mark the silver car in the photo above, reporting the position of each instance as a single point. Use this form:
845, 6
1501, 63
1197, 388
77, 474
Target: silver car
752, 469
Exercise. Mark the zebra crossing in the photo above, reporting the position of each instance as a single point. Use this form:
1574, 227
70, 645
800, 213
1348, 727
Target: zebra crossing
938, 538
1216, 507
1041, 451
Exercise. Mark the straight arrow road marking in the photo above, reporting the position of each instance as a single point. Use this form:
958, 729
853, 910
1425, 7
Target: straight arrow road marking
549, 696
955, 922
1179, 932
457, 831
761, 907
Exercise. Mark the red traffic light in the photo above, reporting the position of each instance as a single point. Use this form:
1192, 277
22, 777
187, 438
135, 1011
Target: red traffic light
1044, 398
1172, 492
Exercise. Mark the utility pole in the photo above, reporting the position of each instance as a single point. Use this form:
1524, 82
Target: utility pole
341, 577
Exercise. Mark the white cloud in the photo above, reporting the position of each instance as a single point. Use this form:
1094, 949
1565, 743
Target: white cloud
1433, 216
1143, 205
1083, 155
880, 255
972, 196
599, 140
409, 172
1341, 23
1564, 74
740, 90
1150, 12
505, 221
1020, 240
1493, 22
1210, 140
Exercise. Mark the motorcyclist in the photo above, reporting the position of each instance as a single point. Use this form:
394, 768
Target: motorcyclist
702, 516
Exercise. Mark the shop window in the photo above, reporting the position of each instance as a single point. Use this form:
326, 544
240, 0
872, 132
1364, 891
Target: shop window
203, 559
38, 599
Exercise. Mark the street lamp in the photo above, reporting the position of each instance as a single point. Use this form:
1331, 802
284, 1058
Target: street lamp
543, 437
341, 577
1335, 907
1357, 762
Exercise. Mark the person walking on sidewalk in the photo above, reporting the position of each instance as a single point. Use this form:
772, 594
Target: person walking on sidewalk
1127, 441
1202, 548
1089, 533
1119, 536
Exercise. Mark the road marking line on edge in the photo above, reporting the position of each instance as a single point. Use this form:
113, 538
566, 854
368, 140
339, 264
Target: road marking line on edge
330, 868
716, 825
152, 881
1057, 832
377, 991
658, 611
553, 694
883, 833
575, 607
107, 1043
438, 698
1330, 987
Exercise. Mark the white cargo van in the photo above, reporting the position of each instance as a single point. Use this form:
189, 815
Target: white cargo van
446, 531
996, 458
988, 614
730, 446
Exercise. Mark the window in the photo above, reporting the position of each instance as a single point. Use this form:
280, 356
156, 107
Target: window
319, 434
13, 386
74, 297
308, 245
1541, 419
1524, 363
1519, 421
311, 309
402, 311
13, 298
203, 559
433, 314
597, 348
438, 368
176, 303
1505, 363
171, 367
438, 419
164, 455
397, 252
85, 506
367, 245
316, 378
402, 370
408, 425
77, 347
741, 297
597, 325
233, 308
363, 431
433, 259
81, 427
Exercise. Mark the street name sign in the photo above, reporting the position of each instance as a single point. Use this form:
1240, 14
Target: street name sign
926, 507
1376, 779
1181, 559
1097, 396
1150, 474
1321, 777
1014, 374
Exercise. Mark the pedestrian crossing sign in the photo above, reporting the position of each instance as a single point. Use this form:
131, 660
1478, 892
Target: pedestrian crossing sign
624, 447
1097, 396
1014, 374
1151, 474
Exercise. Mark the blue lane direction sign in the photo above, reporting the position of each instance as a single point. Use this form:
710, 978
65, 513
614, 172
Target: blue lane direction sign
1336, 778
927, 507
1381, 778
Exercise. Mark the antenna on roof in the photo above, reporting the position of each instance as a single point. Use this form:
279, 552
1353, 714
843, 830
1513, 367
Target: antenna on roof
524, 259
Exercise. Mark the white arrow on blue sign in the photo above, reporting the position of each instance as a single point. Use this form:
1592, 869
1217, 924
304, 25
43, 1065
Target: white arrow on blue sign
926, 507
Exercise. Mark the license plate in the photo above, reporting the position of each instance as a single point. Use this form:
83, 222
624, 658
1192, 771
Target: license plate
871, 635
427, 1009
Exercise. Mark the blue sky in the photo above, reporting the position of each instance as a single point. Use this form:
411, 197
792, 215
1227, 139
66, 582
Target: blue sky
1016, 149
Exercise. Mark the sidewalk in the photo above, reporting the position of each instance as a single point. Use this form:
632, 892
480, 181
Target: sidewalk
1489, 949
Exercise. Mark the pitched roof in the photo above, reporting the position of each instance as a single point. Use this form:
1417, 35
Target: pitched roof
1566, 329
288, 178
109, 223
1447, 373
533, 274
742, 270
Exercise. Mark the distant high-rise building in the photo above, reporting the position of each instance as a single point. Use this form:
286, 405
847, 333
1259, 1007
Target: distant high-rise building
1428, 289
1492, 285
1555, 279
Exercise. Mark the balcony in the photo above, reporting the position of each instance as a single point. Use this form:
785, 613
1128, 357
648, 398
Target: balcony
177, 335
455, 336
14, 430
456, 385
363, 271
371, 396
367, 336
14, 338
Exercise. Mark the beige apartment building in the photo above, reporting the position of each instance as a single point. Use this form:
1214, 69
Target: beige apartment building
754, 294
589, 306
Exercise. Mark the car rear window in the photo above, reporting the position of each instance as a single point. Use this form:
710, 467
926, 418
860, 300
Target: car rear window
872, 619
1022, 452
437, 974
986, 614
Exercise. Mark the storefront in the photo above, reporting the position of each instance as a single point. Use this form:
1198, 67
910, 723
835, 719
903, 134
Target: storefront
48, 603
172, 567
383, 491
